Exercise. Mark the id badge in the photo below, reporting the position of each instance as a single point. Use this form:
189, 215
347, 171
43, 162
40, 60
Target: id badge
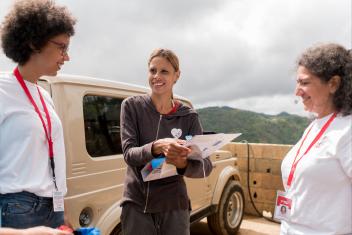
282, 206
58, 201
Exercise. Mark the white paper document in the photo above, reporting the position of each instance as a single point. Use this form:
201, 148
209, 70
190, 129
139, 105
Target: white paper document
202, 146
163, 170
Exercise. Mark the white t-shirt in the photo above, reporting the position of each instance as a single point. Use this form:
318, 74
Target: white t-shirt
321, 190
24, 159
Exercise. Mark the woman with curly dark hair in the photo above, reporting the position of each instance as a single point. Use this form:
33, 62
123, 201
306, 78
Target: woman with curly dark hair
35, 34
317, 172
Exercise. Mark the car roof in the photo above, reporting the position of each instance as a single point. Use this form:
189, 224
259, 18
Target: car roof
99, 82
91, 81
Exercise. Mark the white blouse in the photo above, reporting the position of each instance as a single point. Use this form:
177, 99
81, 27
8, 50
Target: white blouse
321, 190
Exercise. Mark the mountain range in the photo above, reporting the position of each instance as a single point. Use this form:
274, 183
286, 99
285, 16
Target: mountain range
255, 127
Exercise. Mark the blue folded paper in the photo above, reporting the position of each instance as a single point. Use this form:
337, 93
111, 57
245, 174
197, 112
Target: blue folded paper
87, 231
156, 162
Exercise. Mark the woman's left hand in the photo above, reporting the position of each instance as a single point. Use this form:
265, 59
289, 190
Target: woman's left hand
177, 155
174, 151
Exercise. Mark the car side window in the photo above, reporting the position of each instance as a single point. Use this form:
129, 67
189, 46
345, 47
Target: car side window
102, 125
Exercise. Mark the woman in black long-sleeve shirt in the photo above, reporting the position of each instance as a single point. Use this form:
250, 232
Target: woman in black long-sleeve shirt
154, 126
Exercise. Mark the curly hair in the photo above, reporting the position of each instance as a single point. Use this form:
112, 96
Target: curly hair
167, 54
30, 25
328, 60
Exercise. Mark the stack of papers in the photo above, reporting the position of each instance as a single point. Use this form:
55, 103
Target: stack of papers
202, 146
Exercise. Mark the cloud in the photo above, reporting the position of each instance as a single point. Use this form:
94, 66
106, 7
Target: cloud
229, 50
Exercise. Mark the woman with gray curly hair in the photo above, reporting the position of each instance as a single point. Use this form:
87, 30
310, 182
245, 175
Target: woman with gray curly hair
35, 34
317, 172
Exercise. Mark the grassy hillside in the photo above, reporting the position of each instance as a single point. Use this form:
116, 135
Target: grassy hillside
255, 127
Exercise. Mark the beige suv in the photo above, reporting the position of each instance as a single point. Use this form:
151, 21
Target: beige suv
90, 112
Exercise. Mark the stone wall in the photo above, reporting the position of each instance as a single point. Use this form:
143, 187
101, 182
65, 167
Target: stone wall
264, 173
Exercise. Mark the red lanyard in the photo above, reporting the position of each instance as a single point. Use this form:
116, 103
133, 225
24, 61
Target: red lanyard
46, 130
321, 132
174, 108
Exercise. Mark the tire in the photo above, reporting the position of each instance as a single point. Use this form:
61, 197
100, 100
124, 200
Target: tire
117, 230
228, 217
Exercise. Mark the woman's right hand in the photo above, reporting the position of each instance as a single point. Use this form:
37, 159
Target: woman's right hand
41, 230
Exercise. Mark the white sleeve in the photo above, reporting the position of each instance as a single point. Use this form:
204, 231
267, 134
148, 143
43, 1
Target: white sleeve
1, 108
344, 152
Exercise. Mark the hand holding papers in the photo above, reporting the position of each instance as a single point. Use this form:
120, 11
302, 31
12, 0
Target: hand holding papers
158, 169
201, 146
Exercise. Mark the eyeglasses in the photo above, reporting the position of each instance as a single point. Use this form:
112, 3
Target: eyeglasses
62, 46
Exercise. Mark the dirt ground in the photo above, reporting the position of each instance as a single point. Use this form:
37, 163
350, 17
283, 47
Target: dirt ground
251, 225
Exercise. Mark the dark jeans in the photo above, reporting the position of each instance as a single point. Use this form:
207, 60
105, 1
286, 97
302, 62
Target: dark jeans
135, 222
24, 210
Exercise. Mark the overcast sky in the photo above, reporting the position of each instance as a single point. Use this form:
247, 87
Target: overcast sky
239, 53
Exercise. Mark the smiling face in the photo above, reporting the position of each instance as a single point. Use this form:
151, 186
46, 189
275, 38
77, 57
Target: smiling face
162, 76
317, 96
53, 55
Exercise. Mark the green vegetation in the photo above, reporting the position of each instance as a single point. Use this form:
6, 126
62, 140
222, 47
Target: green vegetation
283, 128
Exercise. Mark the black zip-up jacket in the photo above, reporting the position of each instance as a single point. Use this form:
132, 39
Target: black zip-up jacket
139, 125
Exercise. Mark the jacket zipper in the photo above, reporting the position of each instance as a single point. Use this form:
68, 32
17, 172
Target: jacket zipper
156, 138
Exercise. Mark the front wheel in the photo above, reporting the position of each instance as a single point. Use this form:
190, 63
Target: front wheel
228, 218
117, 230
